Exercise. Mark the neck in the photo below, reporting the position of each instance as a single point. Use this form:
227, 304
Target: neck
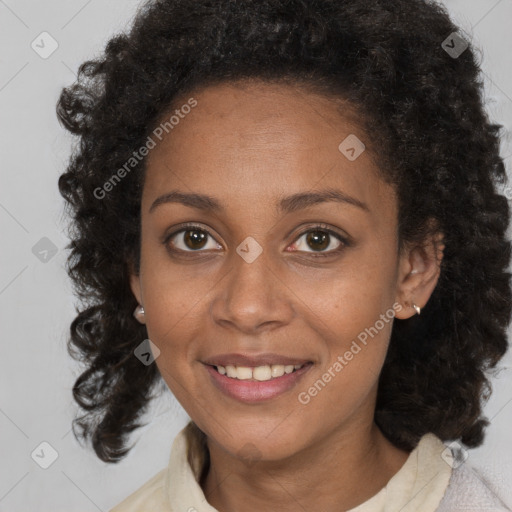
343, 469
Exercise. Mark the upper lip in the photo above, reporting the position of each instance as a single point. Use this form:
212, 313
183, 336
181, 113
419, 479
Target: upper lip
253, 360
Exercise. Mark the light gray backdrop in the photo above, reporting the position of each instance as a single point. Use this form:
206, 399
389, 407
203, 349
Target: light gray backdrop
41, 47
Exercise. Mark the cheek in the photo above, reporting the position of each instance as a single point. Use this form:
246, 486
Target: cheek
353, 313
172, 293
172, 324
355, 341
175, 307
355, 327
348, 301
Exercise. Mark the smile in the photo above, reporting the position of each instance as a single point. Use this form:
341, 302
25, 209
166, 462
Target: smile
256, 384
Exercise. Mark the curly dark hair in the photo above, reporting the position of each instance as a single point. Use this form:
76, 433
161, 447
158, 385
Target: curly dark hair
423, 112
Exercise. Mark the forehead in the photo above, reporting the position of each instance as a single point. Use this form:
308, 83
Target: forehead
255, 142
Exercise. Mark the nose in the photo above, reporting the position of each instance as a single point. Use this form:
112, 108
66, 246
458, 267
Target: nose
252, 297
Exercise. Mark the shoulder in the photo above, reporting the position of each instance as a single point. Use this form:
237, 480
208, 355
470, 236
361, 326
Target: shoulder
468, 491
151, 496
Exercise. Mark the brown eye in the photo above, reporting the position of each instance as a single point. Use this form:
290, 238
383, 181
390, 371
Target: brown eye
194, 239
319, 240
190, 239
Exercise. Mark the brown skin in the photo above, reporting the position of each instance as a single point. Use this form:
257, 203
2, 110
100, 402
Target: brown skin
248, 147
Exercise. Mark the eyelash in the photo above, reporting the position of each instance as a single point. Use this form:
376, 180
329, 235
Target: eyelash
318, 228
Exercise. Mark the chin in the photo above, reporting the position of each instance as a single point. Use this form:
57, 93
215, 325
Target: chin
253, 443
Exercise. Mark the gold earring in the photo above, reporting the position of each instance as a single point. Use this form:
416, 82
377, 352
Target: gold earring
417, 308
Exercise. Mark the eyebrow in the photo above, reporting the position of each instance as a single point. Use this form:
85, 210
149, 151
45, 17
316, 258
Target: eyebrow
288, 204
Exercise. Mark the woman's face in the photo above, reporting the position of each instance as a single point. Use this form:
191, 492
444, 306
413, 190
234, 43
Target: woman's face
259, 276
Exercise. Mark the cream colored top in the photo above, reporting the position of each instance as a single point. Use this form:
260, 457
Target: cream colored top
419, 485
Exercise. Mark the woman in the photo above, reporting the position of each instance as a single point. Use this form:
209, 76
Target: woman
298, 202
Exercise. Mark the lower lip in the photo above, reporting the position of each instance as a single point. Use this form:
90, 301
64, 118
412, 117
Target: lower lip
250, 391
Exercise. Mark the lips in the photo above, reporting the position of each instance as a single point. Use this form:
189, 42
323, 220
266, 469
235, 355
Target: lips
251, 391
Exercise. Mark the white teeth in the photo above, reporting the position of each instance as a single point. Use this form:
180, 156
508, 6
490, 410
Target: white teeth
260, 373
244, 372
277, 370
231, 371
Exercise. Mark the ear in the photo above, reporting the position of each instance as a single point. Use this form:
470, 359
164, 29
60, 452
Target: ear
135, 284
419, 270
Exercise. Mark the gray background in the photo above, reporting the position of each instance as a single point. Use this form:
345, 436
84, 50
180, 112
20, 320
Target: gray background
36, 304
